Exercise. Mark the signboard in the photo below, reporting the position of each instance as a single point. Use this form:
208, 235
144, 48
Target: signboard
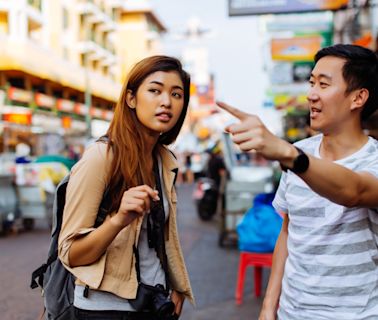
65, 105
295, 49
18, 115
256, 7
19, 95
44, 100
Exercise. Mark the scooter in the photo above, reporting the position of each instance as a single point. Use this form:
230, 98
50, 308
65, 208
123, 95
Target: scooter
205, 195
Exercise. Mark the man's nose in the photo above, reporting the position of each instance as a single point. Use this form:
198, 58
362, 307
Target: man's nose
312, 95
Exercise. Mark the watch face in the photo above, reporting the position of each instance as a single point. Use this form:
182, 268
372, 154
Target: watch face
301, 162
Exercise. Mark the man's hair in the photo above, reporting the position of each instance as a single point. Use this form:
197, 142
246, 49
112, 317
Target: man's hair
359, 71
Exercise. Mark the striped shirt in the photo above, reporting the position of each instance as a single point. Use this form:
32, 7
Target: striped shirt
331, 270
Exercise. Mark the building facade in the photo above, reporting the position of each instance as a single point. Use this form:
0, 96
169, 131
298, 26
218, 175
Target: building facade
62, 63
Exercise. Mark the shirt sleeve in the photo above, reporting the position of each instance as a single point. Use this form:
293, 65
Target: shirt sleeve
279, 202
84, 193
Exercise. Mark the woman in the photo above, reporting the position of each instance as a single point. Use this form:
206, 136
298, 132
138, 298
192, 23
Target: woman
130, 164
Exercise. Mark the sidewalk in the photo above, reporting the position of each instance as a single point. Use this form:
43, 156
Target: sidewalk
212, 270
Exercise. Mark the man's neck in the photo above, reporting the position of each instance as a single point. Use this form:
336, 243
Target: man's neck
338, 146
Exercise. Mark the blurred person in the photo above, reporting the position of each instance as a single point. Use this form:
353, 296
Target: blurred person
189, 176
127, 256
326, 256
216, 168
22, 153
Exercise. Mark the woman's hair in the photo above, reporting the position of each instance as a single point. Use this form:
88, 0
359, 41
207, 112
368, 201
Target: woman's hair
128, 168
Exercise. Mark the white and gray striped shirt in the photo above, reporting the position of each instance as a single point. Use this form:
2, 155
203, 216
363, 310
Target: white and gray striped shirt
332, 267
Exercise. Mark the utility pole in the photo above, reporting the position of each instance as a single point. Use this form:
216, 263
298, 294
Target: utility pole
87, 97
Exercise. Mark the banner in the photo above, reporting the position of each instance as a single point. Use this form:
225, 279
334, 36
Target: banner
295, 49
256, 7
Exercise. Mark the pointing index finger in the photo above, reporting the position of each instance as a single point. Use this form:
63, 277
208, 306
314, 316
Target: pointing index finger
233, 111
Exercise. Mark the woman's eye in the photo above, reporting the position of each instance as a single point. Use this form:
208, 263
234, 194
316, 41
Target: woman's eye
177, 95
311, 82
323, 84
154, 90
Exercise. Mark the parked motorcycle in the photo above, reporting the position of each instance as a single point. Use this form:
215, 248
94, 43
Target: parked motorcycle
205, 195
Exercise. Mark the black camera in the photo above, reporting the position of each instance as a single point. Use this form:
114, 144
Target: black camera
154, 299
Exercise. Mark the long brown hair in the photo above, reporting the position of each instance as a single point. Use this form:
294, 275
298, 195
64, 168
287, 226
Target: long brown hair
128, 168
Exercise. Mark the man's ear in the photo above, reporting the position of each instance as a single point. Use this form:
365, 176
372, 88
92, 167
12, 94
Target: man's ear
130, 99
359, 98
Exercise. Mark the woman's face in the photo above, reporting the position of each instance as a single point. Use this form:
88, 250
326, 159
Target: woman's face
159, 101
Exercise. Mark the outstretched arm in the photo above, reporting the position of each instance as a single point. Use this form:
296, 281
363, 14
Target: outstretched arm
330, 180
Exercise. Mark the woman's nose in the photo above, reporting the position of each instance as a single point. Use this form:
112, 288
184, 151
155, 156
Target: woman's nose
166, 100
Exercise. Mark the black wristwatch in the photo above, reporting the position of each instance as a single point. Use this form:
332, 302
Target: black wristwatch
300, 164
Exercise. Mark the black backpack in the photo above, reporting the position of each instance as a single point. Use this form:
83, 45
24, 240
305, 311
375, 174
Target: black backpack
56, 282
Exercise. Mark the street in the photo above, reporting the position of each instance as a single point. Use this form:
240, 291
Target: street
212, 270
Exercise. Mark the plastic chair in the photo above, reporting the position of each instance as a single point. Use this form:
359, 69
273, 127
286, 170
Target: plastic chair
258, 261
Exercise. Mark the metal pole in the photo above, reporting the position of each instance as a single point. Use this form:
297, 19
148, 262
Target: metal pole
88, 98
374, 22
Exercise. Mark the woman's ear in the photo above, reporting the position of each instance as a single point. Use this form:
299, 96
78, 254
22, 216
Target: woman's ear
130, 99
360, 98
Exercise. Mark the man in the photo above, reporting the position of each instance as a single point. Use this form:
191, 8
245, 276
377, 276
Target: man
325, 259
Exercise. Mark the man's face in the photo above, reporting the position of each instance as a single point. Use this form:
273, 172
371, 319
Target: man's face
329, 105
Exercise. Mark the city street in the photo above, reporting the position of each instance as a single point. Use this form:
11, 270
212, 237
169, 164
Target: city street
212, 270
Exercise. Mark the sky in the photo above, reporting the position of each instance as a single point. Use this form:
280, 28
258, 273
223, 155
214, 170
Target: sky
235, 48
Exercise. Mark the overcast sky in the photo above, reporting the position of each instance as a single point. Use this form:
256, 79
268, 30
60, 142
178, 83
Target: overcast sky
235, 48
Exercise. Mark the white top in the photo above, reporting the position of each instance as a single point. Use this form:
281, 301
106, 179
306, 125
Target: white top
331, 271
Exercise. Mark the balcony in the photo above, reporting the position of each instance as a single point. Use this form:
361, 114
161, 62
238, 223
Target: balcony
53, 68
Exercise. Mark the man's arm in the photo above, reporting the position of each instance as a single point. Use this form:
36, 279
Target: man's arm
328, 179
269, 307
341, 185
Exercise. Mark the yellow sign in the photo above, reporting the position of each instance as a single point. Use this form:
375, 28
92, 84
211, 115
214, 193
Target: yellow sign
295, 49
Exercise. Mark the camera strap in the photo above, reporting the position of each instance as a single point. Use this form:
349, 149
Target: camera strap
155, 231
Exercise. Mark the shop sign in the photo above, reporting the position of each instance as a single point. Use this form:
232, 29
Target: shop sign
18, 115
295, 49
18, 118
108, 115
96, 112
19, 95
256, 7
44, 100
286, 101
81, 108
66, 122
65, 105
302, 71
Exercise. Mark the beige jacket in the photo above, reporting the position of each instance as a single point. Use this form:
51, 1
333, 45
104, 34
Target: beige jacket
115, 270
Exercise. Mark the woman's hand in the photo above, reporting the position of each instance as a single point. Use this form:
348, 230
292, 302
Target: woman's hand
135, 202
178, 299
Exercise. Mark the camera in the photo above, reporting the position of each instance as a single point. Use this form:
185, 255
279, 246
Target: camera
154, 299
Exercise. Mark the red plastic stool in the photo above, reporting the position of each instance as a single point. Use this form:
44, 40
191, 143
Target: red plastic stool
257, 260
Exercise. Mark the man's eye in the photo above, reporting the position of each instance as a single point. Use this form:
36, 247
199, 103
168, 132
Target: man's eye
311, 82
323, 84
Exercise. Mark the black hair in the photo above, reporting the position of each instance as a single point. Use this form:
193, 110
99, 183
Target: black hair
360, 70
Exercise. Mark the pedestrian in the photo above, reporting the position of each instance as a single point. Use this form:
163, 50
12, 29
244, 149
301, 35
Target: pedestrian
326, 256
126, 267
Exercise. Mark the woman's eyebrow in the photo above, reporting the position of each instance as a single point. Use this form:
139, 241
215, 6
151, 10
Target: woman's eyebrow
162, 84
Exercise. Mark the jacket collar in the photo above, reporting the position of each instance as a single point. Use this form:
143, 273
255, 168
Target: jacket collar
170, 166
